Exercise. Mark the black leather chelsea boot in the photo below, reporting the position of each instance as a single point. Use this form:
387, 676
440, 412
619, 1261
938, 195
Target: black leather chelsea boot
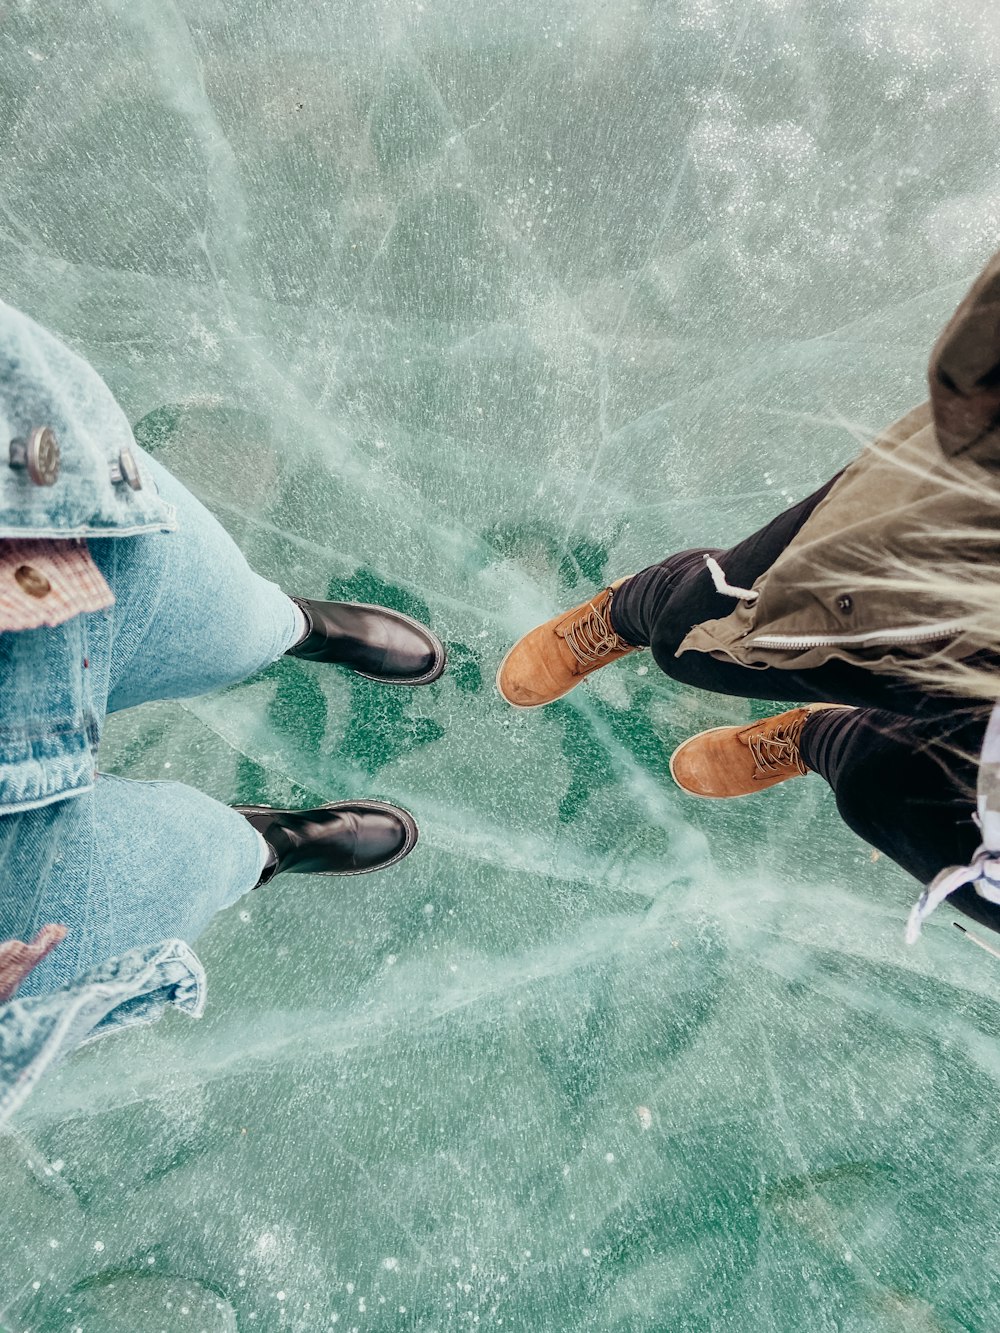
375, 642
343, 838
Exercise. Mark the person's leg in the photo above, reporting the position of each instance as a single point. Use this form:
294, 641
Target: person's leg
126, 864
657, 608
907, 787
190, 614
131, 863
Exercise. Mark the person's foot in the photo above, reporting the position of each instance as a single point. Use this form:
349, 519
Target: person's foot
375, 642
736, 761
343, 838
549, 661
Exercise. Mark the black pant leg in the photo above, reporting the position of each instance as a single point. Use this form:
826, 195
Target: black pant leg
907, 787
660, 606
639, 605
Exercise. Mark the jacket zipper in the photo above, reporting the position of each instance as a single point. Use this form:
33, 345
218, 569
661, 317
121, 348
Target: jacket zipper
919, 634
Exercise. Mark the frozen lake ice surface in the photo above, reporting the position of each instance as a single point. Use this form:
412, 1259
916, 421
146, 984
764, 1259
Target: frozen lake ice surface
469, 308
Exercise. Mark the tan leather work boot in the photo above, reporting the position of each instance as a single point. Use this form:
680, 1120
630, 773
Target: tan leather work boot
736, 761
549, 661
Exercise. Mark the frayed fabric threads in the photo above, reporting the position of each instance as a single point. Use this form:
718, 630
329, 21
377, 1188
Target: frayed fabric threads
983, 871
131, 990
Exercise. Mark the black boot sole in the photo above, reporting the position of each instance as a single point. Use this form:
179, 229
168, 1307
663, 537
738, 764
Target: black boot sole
382, 807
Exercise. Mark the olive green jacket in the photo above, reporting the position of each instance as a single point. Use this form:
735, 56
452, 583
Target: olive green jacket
935, 470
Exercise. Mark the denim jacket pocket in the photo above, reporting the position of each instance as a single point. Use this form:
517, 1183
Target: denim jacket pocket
49, 725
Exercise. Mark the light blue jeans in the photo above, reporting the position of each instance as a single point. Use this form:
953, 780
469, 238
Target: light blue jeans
129, 864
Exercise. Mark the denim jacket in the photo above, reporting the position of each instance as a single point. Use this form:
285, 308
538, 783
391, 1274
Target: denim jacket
69, 467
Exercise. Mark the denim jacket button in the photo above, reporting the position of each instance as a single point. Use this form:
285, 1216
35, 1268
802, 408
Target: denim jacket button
32, 581
40, 456
126, 470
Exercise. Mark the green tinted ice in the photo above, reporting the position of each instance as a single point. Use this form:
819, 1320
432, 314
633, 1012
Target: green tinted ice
468, 308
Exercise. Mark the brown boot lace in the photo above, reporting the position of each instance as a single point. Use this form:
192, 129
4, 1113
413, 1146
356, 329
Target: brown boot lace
776, 751
591, 637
